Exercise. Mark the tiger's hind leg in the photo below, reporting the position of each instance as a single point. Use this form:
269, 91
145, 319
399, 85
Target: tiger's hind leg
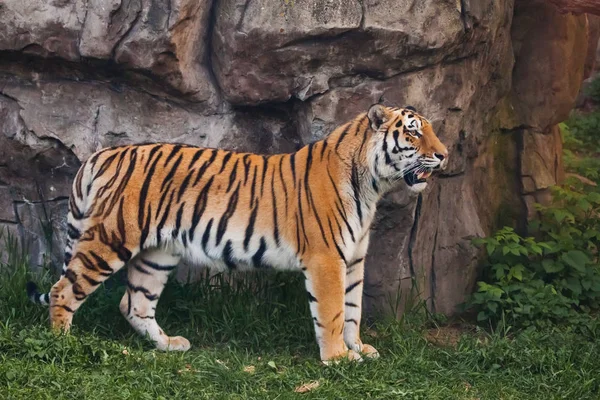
147, 275
95, 259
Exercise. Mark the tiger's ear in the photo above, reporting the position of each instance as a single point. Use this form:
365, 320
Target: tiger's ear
378, 115
411, 108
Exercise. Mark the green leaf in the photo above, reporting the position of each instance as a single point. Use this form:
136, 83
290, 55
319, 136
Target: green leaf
594, 197
584, 204
536, 249
551, 266
272, 364
576, 259
574, 285
490, 247
517, 272
482, 316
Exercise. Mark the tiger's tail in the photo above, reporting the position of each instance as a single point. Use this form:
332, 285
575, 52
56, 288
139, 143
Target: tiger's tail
35, 296
77, 205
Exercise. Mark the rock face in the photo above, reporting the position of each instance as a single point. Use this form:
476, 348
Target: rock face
494, 77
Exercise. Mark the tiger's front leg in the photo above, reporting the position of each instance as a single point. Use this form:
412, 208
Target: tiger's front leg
325, 287
353, 309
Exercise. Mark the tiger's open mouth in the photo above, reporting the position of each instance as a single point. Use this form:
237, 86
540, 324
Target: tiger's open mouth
417, 177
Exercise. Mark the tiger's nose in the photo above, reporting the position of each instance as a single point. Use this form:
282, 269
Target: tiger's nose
443, 157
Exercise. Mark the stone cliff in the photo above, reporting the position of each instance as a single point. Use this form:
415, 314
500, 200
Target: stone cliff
494, 76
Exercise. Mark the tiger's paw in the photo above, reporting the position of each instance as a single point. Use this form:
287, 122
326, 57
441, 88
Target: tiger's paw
351, 355
175, 343
369, 351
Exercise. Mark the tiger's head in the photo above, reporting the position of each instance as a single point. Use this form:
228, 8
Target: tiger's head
405, 146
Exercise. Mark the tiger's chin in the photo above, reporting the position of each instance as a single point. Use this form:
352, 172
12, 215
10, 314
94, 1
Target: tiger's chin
418, 187
417, 182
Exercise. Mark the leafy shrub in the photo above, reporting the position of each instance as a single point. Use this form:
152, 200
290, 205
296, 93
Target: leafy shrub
593, 90
582, 132
552, 277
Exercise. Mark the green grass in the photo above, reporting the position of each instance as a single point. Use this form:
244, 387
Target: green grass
266, 325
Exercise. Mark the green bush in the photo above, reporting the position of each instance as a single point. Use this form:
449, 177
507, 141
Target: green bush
581, 133
553, 277
593, 91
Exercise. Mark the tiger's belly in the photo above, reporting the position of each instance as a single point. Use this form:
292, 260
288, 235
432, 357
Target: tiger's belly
236, 253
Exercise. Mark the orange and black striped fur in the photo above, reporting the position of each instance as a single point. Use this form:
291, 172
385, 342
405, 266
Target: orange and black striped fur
147, 206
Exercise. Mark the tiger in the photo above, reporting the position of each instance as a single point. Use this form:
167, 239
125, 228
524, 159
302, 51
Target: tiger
148, 206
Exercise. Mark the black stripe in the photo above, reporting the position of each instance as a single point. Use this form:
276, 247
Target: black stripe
118, 192
75, 212
206, 234
264, 175
144, 192
231, 206
100, 262
250, 228
352, 286
146, 229
71, 276
396, 135
225, 161
348, 304
142, 289
171, 173
297, 233
121, 221
140, 269
67, 257
227, 258
311, 298
73, 232
145, 317
323, 147
156, 266
163, 220
178, 221
340, 252
388, 159
293, 167
343, 135
353, 263
336, 316
173, 153
257, 258
91, 281
353, 321
285, 192
253, 185
184, 185
274, 206
232, 176
205, 166
128, 302
356, 189
247, 163
184, 239
67, 308
200, 206
301, 213
151, 154
105, 165
197, 155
